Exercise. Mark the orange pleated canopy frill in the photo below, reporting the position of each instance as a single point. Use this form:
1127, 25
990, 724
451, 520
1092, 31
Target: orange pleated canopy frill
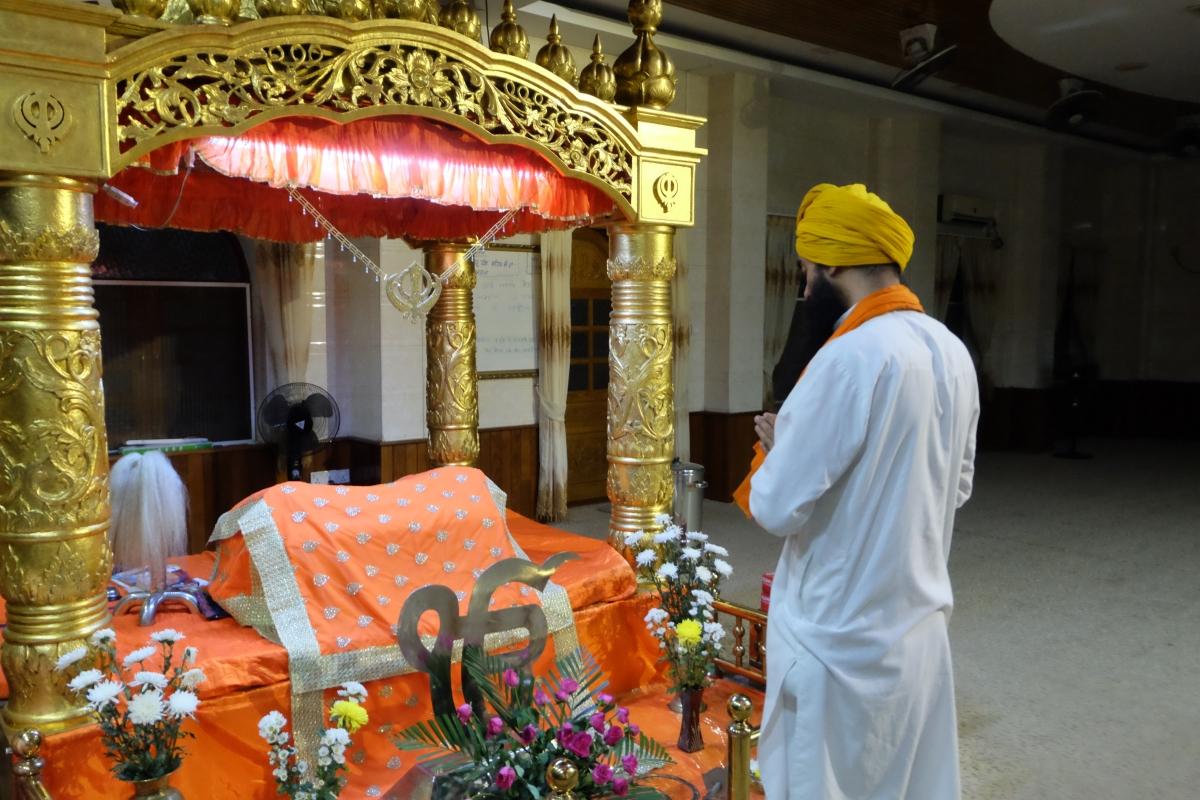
381, 177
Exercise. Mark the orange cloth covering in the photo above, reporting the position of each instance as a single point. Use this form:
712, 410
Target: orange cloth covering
379, 177
248, 676
884, 301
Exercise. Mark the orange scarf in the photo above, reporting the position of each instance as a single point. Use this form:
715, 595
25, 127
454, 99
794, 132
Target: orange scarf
876, 304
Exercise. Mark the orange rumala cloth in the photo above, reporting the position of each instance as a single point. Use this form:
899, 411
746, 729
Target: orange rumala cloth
876, 304
248, 676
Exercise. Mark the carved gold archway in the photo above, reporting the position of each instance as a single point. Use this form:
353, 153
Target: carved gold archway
86, 91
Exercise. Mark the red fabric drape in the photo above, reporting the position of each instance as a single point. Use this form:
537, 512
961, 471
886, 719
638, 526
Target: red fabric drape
384, 177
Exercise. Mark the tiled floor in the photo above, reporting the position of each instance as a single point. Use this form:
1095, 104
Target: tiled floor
1076, 634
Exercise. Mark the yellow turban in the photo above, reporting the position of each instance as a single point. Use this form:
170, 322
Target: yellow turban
847, 226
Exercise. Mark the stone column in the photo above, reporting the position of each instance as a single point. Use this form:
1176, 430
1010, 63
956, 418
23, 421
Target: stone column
451, 388
55, 560
641, 392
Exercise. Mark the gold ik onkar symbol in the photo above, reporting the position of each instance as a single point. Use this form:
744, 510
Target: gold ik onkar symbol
479, 622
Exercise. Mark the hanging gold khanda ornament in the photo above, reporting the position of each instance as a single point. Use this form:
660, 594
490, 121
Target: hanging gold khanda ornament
413, 290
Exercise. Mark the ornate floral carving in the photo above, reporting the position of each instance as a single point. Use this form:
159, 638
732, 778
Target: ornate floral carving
53, 449
451, 390
79, 243
641, 416
221, 89
641, 269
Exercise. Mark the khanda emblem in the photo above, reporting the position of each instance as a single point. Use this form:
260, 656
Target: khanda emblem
472, 629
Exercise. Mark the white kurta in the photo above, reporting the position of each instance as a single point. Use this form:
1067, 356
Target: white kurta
874, 452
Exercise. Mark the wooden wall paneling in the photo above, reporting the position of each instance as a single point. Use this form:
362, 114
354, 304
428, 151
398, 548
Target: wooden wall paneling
723, 444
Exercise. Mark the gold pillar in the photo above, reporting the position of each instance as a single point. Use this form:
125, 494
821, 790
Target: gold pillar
641, 393
451, 388
55, 561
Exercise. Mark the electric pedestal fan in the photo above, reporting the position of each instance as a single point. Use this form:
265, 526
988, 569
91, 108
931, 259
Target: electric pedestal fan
298, 418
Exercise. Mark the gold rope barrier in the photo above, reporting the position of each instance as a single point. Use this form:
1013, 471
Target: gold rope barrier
451, 390
641, 394
737, 758
55, 560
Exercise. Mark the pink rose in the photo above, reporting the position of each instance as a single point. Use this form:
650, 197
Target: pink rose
605, 699
601, 774
528, 734
540, 697
633, 730
613, 735
597, 722
511, 678
563, 696
570, 686
629, 763
464, 713
580, 744
495, 725
620, 787
623, 715
505, 778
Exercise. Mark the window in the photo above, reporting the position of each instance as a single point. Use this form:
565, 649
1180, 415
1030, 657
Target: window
589, 342
174, 323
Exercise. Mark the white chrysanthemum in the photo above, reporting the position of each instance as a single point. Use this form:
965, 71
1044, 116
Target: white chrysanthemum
192, 678
103, 693
140, 655
714, 631
703, 598
271, 724
334, 737
281, 774
716, 549
146, 708
634, 539
182, 704
663, 538
646, 558
85, 679
692, 554
353, 690
723, 568
103, 636
668, 571
153, 679
663, 519
704, 574
654, 617
167, 636
697, 536
189, 656
71, 657
301, 767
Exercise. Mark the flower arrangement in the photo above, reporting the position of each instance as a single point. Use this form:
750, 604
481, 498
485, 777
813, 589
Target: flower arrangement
140, 711
501, 745
687, 571
293, 776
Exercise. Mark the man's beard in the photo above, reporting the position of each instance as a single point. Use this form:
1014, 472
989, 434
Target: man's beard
822, 309
812, 325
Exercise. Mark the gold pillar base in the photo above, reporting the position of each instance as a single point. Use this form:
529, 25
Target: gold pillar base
641, 392
55, 560
451, 388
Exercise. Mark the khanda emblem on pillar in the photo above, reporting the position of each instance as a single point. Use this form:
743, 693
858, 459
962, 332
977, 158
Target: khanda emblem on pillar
42, 118
413, 290
666, 189
472, 629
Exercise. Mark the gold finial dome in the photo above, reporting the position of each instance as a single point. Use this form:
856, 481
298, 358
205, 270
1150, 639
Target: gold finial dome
509, 37
597, 78
555, 56
460, 16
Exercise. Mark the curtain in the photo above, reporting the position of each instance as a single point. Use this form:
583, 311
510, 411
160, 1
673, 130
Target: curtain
979, 272
681, 324
782, 287
554, 361
948, 254
282, 284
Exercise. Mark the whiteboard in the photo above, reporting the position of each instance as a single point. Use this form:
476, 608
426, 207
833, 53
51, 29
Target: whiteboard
506, 310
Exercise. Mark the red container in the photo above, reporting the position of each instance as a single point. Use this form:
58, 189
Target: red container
767, 579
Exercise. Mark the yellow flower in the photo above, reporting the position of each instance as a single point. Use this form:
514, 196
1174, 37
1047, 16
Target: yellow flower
348, 715
688, 633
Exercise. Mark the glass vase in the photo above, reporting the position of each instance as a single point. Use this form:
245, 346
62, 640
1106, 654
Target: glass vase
690, 738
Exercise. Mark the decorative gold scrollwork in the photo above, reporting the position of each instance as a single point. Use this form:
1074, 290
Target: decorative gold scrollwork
78, 243
221, 89
42, 117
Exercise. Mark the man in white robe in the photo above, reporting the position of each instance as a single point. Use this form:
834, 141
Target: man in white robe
865, 466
